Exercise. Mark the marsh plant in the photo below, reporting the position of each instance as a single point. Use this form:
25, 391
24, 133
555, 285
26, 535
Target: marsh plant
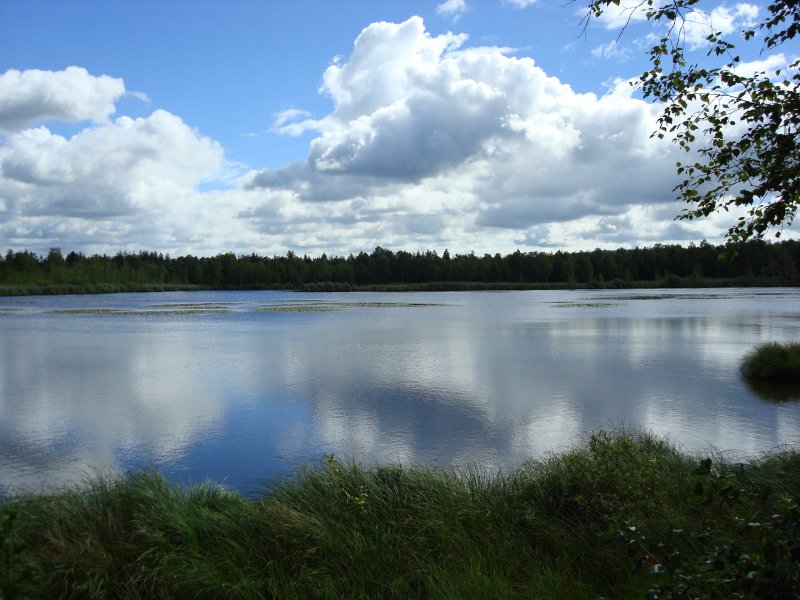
773, 362
624, 515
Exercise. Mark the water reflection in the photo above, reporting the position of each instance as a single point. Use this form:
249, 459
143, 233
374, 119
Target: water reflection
441, 379
80, 403
775, 391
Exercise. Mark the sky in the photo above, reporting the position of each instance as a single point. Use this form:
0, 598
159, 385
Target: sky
334, 127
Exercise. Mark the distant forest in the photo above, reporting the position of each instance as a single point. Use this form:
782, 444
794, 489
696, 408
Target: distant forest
756, 263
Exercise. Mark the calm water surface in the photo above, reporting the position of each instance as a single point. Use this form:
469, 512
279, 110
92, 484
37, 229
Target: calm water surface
245, 386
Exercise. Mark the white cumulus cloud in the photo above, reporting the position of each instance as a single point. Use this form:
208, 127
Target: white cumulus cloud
616, 16
126, 182
27, 97
699, 24
107, 170
767, 65
426, 130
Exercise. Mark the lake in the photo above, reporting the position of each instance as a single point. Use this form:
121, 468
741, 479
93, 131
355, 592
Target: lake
242, 387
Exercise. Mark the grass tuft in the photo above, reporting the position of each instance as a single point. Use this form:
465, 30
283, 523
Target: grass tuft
774, 362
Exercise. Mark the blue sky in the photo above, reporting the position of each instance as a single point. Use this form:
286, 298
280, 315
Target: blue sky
204, 127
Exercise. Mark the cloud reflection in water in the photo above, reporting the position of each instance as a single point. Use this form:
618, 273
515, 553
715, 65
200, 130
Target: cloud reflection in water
490, 378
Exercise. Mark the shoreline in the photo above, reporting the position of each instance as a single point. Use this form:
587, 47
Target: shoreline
621, 515
434, 286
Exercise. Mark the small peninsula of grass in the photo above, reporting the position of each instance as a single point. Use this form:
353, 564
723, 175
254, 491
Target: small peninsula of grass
622, 516
773, 362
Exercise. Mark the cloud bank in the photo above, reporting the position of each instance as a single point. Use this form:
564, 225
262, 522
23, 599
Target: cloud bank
429, 143
113, 183
471, 141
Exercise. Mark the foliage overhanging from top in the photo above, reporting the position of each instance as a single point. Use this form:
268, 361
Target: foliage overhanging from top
743, 128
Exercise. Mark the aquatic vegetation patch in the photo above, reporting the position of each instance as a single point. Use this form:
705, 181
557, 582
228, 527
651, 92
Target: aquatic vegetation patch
201, 308
195, 305
666, 297
323, 306
196, 311
773, 362
584, 304
95, 311
395, 304
296, 308
136, 313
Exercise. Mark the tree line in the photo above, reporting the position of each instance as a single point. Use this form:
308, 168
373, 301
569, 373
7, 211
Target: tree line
756, 262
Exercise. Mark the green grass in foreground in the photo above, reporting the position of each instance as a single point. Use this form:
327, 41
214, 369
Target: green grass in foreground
773, 361
623, 516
